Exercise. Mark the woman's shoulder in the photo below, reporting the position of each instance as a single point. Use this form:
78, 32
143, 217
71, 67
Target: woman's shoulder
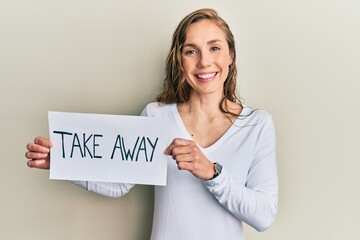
255, 115
156, 109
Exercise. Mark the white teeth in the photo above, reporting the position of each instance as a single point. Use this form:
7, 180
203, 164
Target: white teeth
205, 76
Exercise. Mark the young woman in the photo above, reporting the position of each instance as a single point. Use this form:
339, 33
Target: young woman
222, 169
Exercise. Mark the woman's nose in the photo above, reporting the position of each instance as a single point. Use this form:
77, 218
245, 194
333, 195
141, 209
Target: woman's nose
204, 60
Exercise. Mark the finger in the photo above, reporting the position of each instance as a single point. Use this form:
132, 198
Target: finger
190, 157
191, 148
186, 166
43, 142
36, 155
41, 164
177, 142
33, 147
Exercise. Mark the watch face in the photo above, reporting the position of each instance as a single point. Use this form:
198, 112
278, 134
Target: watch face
218, 167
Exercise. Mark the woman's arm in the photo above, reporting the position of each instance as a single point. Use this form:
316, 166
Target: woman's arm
255, 203
108, 189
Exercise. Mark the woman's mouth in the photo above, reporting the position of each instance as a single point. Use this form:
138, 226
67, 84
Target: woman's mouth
205, 77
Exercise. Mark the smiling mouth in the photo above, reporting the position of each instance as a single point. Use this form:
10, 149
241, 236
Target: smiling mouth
206, 76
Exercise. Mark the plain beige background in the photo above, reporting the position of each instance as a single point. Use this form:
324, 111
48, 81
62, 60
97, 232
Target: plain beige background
298, 60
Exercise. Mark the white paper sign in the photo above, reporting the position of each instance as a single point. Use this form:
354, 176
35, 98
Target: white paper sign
109, 148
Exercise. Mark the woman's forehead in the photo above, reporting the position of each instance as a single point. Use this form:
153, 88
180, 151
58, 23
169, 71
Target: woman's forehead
206, 31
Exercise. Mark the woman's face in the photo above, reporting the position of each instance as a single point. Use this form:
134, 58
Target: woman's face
206, 57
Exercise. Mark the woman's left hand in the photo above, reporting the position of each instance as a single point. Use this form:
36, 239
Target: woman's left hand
189, 157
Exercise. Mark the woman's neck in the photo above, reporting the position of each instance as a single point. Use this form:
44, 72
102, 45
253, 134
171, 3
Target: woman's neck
207, 105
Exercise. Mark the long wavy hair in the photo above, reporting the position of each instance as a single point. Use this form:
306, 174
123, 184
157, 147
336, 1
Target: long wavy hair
175, 87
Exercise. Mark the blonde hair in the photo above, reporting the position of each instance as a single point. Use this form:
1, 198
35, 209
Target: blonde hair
175, 87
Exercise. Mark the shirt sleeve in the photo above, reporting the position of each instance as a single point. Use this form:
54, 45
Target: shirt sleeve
255, 203
108, 189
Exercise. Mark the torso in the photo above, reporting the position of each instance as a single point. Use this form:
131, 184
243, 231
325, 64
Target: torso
185, 204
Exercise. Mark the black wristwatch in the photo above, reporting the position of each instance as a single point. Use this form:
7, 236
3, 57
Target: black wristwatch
218, 169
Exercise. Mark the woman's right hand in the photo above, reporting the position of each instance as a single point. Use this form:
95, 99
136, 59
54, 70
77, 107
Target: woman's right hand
39, 153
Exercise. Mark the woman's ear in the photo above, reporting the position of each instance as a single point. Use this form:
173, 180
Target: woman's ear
231, 57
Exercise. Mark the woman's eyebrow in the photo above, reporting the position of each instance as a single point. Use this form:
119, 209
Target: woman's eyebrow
214, 41
189, 45
209, 42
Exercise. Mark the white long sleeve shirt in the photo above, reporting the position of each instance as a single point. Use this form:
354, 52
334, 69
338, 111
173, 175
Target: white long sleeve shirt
246, 190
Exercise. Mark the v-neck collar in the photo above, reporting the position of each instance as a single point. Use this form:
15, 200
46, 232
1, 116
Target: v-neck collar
213, 146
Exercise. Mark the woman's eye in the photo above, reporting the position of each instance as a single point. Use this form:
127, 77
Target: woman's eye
190, 52
215, 49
